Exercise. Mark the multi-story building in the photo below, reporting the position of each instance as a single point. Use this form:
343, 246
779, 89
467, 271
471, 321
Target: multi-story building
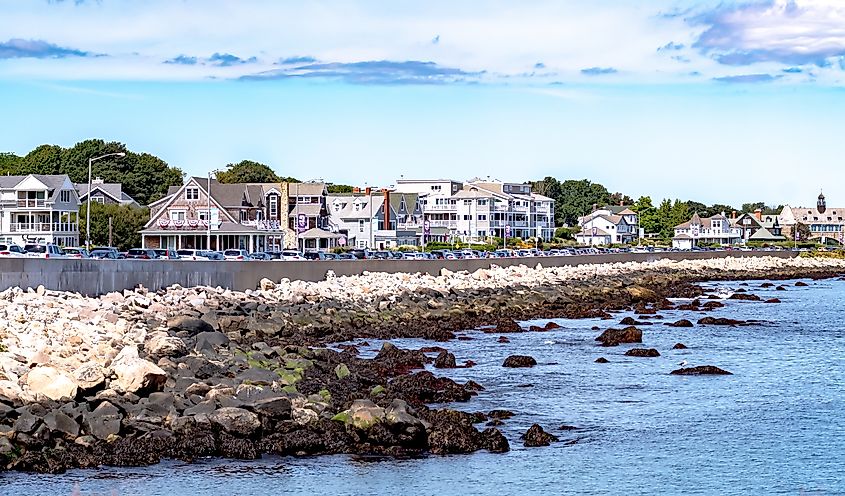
39, 209
754, 227
822, 221
480, 209
609, 225
243, 216
377, 219
705, 230
105, 193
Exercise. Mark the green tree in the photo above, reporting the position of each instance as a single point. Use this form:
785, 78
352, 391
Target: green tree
126, 224
549, 186
9, 163
748, 208
338, 188
649, 218
804, 232
248, 171
44, 159
577, 198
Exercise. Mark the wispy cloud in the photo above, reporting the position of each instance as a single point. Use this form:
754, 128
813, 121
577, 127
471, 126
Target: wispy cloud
747, 79
228, 60
383, 72
182, 60
598, 71
297, 60
794, 32
18, 48
671, 46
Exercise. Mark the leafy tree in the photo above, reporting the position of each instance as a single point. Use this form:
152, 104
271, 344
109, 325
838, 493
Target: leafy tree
748, 208
44, 159
338, 188
649, 219
577, 198
248, 171
549, 186
804, 232
620, 199
9, 163
126, 224
717, 209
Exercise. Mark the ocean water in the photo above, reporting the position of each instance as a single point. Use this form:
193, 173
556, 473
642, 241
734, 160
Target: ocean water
777, 426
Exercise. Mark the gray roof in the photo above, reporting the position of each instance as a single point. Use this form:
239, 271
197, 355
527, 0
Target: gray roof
306, 189
348, 211
113, 190
309, 209
319, 234
53, 182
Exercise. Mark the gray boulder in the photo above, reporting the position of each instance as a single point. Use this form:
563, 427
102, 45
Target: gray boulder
236, 421
103, 422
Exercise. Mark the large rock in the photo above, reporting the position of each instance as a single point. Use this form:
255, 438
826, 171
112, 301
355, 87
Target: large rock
277, 408
363, 414
164, 345
701, 370
89, 376
60, 423
615, 337
744, 297
681, 323
519, 361
494, 441
398, 412
642, 352
210, 341
536, 436
103, 422
191, 325
134, 374
51, 382
639, 293
236, 421
445, 360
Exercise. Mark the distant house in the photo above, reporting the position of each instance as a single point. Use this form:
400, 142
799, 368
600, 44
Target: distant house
39, 209
823, 222
752, 227
105, 193
608, 225
705, 230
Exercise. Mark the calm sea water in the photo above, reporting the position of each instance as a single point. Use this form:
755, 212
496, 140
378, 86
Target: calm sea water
775, 427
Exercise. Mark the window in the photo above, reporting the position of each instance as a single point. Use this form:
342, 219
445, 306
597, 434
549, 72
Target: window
202, 214
482, 202
177, 215
746, 221
64, 196
192, 193
274, 206
482, 217
243, 216
467, 217
361, 225
436, 187
467, 202
99, 199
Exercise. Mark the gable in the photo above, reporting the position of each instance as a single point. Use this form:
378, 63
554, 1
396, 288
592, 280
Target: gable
192, 182
32, 183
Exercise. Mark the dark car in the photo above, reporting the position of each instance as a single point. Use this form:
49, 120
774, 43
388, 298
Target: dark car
167, 254
346, 256
141, 254
315, 255
382, 255
361, 254
260, 256
99, 254
214, 255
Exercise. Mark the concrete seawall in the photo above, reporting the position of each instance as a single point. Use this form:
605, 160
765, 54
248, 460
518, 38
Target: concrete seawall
95, 277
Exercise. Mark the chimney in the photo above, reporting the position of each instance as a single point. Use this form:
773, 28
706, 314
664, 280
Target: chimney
759, 214
356, 189
621, 203
368, 191
97, 180
386, 208
733, 215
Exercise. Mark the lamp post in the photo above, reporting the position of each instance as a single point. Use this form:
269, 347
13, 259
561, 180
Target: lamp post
208, 209
88, 199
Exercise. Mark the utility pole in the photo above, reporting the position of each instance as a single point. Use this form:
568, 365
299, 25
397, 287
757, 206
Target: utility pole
110, 231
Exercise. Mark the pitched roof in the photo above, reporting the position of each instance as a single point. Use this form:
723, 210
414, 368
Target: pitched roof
306, 189
54, 182
113, 190
764, 234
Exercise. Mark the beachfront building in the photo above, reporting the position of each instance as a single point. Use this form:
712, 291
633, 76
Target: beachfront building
752, 227
480, 209
105, 193
216, 216
825, 223
377, 219
308, 218
39, 209
608, 225
705, 230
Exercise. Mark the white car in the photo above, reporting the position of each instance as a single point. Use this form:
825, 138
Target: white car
289, 255
191, 255
11, 251
236, 255
44, 251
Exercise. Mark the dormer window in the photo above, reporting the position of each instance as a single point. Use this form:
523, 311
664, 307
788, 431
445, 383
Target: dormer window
192, 193
64, 196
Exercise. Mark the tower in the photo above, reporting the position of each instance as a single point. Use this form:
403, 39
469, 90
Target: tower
821, 206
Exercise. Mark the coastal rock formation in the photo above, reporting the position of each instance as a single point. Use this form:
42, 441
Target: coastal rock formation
744, 296
602, 360
535, 436
615, 337
519, 361
701, 370
679, 346
642, 352
681, 323
445, 360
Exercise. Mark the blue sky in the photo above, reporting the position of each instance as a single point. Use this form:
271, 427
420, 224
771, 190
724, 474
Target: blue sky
717, 101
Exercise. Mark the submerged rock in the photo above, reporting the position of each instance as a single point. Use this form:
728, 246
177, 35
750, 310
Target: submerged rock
679, 346
701, 370
642, 352
535, 436
681, 323
445, 360
519, 361
615, 337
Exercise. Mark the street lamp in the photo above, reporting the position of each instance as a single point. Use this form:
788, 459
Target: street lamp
208, 209
88, 200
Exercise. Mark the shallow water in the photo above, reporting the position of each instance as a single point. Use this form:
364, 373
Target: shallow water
777, 426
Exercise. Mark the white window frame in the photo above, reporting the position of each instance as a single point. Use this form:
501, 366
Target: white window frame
192, 191
177, 214
274, 206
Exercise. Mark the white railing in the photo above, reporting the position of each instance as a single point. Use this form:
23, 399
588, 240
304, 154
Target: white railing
31, 203
443, 223
43, 227
441, 207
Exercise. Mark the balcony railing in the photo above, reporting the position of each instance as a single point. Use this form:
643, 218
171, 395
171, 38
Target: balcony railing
31, 203
44, 227
430, 207
443, 223
408, 225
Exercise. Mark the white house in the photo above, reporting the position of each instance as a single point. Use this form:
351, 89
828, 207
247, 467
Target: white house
608, 225
39, 209
708, 230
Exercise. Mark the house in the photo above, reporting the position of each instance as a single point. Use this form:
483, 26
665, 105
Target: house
705, 230
249, 216
39, 209
398, 221
751, 227
105, 193
608, 225
823, 222
351, 215
480, 209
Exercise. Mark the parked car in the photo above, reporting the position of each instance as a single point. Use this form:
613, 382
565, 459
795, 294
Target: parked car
167, 254
11, 251
259, 255
191, 254
141, 254
100, 249
236, 255
290, 255
410, 255
73, 252
315, 255
213, 255
44, 251
101, 254
362, 254
382, 255
331, 256
346, 256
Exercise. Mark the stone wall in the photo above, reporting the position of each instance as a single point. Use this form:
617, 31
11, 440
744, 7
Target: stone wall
95, 277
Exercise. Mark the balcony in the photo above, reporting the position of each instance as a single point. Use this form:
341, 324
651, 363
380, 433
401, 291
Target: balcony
44, 227
440, 208
31, 203
404, 226
451, 224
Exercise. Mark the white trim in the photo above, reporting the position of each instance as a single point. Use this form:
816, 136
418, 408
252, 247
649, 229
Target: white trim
178, 194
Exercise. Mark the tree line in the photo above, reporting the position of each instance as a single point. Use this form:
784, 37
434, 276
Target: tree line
576, 198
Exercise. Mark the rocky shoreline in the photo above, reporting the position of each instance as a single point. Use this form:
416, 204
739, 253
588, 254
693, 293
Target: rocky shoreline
129, 379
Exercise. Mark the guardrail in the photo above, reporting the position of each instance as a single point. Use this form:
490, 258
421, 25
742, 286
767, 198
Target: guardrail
95, 277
